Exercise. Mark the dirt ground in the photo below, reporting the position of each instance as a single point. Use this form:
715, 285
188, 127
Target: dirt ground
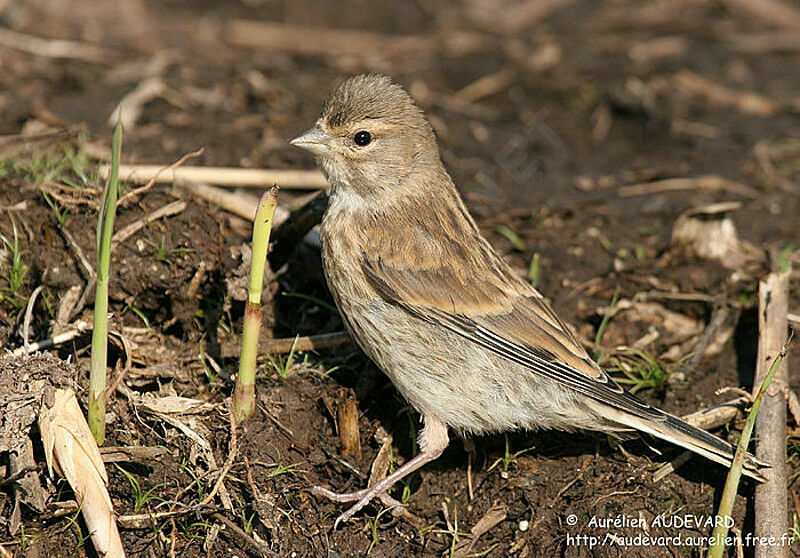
578, 132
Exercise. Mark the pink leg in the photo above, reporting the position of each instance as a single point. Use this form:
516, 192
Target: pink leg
432, 442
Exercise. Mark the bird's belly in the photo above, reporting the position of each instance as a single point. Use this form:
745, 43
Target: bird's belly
445, 375
439, 372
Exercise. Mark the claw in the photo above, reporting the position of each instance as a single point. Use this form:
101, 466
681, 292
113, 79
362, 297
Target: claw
361, 497
433, 440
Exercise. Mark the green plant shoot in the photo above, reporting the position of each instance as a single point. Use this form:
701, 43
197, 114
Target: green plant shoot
244, 393
720, 533
105, 228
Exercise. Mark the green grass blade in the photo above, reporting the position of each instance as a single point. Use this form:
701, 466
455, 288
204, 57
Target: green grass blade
105, 229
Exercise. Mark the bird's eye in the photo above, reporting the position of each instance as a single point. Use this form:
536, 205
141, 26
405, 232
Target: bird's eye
362, 138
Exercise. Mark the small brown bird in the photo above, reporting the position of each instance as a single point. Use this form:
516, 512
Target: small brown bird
466, 341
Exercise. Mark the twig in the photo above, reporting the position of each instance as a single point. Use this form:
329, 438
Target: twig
67, 507
76, 248
79, 328
16, 476
136, 520
129, 109
138, 454
26, 323
308, 343
224, 176
226, 467
349, 432
559, 494
720, 317
764, 43
127, 231
286, 344
709, 182
112, 387
294, 228
247, 539
717, 415
483, 87
276, 422
89, 274
239, 204
139, 191
667, 468
744, 101
794, 405
646, 296
318, 40
771, 500
520, 15
772, 11
54, 48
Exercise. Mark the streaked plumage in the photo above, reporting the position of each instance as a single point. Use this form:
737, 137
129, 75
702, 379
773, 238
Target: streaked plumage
467, 342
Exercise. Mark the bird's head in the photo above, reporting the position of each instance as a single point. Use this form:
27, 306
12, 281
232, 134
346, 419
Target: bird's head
371, 136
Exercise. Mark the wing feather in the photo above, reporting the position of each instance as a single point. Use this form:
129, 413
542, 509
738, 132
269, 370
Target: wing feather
522, 329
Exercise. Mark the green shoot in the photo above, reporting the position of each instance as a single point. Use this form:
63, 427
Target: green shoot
105, 228
81, 540
247, 522
483, 553
47, 298
138, 312
642, 371
24, 540
60, 211
533, 270
281, 469
212, 374
163, 254
511, 236
454, 534
720, 533
72, 522
405, 482
244, 392
283, 365
197, 530
17, 270
373, 527
785, 258
639, 253
141, 497
598, 338
508, 457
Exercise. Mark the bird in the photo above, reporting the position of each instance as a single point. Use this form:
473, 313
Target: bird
468, 343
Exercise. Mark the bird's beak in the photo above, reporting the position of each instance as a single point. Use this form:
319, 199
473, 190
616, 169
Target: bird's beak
314, 140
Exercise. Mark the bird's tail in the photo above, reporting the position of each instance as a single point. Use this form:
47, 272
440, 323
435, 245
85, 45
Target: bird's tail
681, 433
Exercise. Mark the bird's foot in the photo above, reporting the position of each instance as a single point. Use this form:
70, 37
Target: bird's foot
362, 498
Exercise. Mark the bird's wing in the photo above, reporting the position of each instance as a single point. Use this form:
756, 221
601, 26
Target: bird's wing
505, 316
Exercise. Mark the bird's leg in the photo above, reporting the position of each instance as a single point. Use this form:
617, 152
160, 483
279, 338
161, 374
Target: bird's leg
432, 442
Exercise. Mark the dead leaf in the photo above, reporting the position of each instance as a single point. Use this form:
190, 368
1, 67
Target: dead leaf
70, 450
